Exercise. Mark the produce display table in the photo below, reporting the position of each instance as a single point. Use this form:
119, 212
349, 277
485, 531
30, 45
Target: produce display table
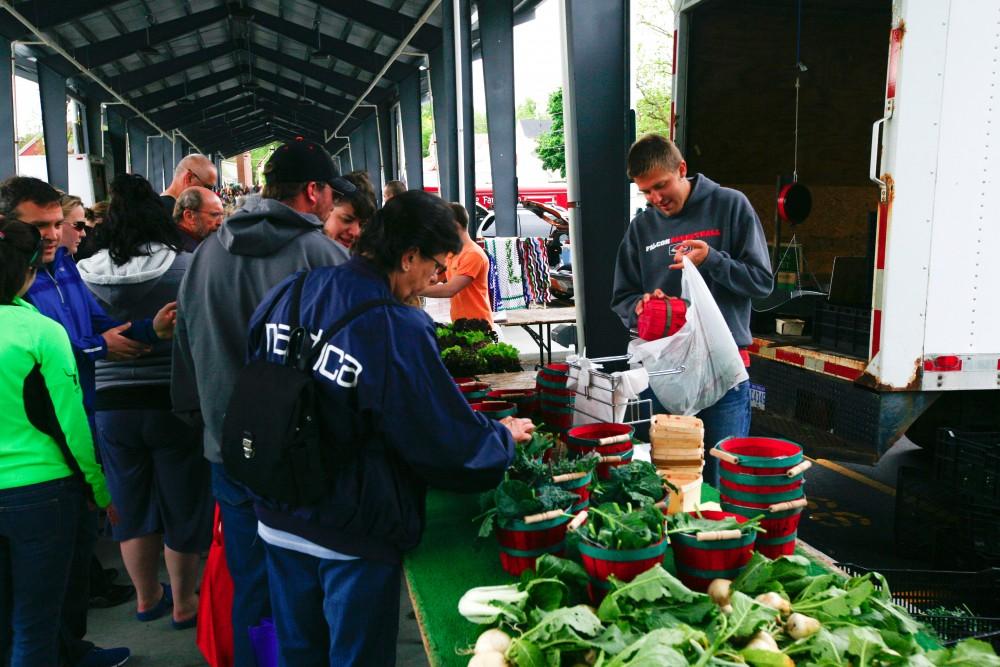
449, 561
520, 380
543, 318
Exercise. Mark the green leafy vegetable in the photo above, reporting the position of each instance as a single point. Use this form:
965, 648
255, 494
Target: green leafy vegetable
636, 483
623, 528
513, 500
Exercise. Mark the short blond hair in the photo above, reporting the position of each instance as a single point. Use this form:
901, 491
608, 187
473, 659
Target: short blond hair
653, 151
69, 202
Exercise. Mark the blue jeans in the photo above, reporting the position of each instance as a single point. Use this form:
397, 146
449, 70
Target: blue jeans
245, 560
38, 528
336, 613
729, 417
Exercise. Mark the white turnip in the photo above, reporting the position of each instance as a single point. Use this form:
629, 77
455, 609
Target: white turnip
719, 591
493, 641
763, 641
775, 601
800, 626
491, 659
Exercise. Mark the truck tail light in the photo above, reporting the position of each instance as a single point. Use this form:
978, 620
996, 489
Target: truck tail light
944, 363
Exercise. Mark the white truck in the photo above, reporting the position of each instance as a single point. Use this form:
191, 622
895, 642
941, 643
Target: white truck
87, 175
888, 111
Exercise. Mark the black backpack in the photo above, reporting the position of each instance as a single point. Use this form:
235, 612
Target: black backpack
272, 441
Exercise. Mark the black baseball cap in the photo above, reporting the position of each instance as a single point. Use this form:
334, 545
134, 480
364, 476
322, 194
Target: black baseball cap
299, 161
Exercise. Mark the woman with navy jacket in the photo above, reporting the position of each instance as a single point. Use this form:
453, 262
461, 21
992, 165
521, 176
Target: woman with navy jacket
389, 403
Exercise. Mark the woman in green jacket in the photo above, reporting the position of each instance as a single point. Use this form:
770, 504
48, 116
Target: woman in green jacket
47, 467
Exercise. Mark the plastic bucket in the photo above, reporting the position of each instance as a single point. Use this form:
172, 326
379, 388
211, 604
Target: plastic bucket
689, 484
698, 563
782, 528
526, 400
496, 409
600, 563
583, 440
475, 391
581, 487
760, 456
521, 543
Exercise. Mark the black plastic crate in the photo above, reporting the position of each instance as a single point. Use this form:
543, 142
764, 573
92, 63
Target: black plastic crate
843, 329
970, 462
926, 593
925, 518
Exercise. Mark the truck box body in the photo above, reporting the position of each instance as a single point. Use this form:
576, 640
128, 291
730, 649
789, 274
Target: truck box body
897, 141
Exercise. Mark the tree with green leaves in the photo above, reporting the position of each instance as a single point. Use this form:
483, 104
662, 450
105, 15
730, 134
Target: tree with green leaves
552, 143
426, 127
528, 110
654, 64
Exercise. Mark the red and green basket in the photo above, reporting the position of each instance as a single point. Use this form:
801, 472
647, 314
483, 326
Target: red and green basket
523, 541
781, 521
760, 456
474, 391
555, 401
625, 564
526, 400
613, 442
700, 558
495, 409
578, 483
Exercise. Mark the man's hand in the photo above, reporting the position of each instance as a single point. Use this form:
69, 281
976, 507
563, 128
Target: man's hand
641, 303
112, 514
163, 323
696, 251
121, 348
521, 429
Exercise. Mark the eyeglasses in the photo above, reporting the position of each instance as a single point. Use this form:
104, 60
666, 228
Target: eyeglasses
439, 268
200, 179
213, 214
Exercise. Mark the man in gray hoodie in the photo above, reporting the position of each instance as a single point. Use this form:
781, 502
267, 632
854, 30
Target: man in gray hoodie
718, 230
229, 275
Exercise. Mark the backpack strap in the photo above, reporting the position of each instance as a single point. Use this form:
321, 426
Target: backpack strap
305, 362
293, 313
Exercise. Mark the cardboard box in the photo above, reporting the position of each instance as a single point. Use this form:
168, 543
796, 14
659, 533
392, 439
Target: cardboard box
789, 327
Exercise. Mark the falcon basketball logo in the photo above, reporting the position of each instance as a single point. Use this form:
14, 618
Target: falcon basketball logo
675, 241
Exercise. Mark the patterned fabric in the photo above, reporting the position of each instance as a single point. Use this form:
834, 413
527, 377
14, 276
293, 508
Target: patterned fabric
509, 273
493, 279
535, 269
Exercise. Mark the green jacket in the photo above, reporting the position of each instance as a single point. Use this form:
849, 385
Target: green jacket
41, 404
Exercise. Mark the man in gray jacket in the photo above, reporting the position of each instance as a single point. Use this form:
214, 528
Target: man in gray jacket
230, 273
718, 230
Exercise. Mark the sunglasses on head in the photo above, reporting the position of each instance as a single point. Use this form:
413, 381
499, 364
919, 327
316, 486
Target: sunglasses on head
35, 260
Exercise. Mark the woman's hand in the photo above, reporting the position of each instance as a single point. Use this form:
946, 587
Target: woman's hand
521, 429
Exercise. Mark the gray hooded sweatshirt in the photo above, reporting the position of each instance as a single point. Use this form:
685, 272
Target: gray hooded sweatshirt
736, 270
130, 292
230, 273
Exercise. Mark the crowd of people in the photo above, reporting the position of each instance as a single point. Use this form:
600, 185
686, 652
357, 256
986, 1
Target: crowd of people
124, 326
125, 329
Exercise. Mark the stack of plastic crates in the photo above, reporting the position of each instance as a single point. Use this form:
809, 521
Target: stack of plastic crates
951, 516
956, 605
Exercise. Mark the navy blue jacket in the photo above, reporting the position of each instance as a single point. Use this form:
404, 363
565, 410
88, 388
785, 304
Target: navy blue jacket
388, 396
60, 293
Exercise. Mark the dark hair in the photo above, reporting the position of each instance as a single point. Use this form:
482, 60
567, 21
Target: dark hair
136, 218
414, 219
461, 215
395, 188
362, 200
18, 242
653, 151
18, 189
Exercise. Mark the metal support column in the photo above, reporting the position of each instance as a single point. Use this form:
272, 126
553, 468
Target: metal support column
409, 112
115, 159
443, 86
359, 155
596, 116
154, 173
93, 129
167, 155
466, 115
372, 154
496, 30
52, 93
136, 147
8, 146
386, 132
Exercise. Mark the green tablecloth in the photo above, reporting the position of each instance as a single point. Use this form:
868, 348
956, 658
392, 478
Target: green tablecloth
448, 562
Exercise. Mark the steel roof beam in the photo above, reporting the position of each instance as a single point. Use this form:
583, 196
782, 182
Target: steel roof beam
384, 20
120, 46
49, 13
177, 91
216, 103
144, 76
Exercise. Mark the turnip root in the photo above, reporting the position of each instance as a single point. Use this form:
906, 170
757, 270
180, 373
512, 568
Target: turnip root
727, 609
800, 626
762, 641
719, 591
493, 641
775, 601
491, 659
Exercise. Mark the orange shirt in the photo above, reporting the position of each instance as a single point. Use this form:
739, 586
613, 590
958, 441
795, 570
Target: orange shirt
474, 300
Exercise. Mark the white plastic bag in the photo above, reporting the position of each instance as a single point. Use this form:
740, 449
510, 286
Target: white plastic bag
704, 346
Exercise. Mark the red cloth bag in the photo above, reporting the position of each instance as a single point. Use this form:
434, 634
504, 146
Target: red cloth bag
215, 606
661, 318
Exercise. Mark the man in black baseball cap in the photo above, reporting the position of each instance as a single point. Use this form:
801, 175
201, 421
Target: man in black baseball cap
228, 276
